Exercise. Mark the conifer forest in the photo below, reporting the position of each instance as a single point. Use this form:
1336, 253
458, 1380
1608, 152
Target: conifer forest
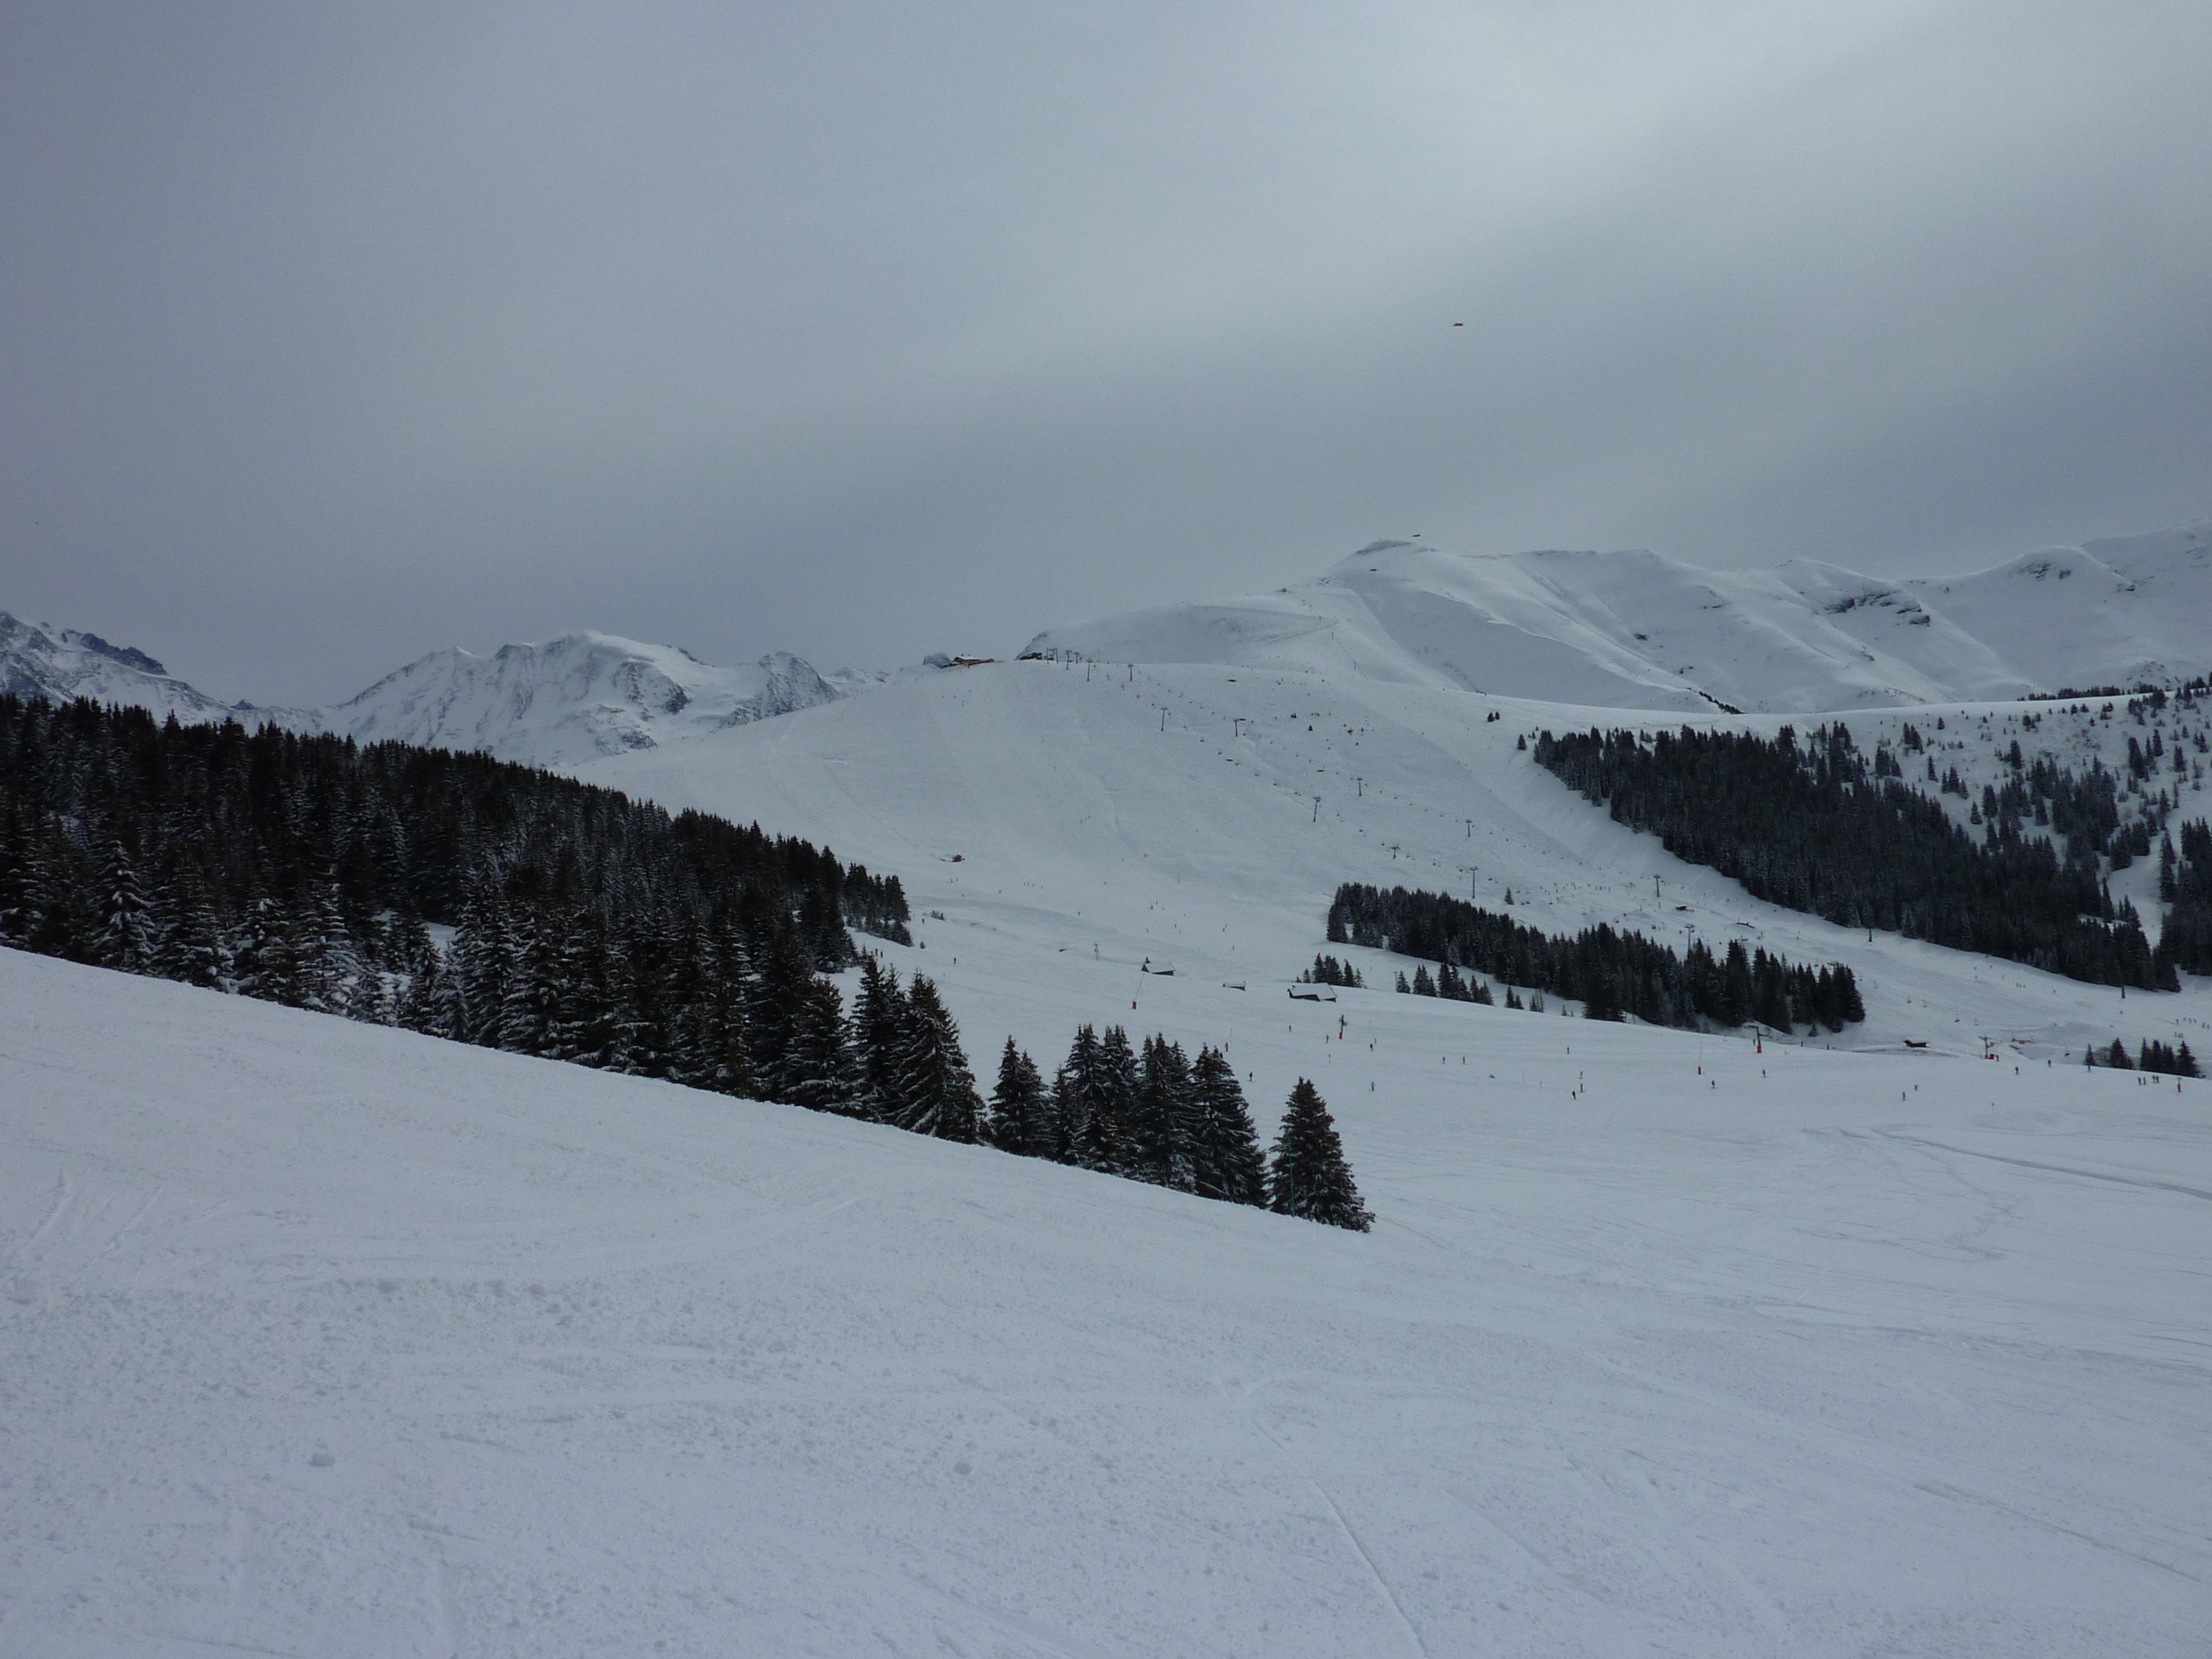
1612, 973
1819, 826
500, 905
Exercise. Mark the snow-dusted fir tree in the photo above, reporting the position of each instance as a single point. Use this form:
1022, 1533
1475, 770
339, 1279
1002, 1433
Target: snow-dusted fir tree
326, 943
817, 1061
1095, 1099
532, 993
423, 996
1104, 1143
483, 960
1075, 1092
822, 930
937, 1090
368, 998
126, 916
722, 1037
1225, 1158
266, 955
191, 937
1160, 1124
588, 1020
1310, 1177
1020, 1109
878, 1018
781, 975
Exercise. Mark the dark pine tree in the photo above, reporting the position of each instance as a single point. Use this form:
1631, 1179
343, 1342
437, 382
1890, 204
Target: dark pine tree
1309, 1177
1160, 1125
818, 1068
127, 936
192, 935
585, 1027
937, 1090
268, 957
1077, 1092
420, 1003
1108, 1133
1020, 1107
531, 999
879, 1013
781, 976
1225, 1159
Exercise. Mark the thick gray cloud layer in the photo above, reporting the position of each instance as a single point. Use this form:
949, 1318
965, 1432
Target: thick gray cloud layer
330, 334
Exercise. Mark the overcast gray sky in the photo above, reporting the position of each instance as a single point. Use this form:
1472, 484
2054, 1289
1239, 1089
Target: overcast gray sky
331, 333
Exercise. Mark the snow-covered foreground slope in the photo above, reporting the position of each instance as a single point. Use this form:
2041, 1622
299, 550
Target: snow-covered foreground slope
1639, 630
326, 1339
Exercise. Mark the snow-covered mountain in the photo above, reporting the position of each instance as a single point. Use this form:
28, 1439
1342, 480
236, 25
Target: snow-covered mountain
1662, 1343
40, 660
1639, 630
1621, 630
558, 704
568, 698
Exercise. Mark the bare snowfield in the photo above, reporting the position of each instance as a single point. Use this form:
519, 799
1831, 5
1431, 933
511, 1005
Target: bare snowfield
322, 1338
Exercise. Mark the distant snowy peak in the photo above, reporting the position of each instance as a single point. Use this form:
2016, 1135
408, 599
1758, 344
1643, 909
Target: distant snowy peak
1640, 630
2120, 612
61, 665
571, 699
559, 703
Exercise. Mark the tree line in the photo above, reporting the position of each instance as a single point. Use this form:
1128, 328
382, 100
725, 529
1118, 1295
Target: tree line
1328, 970
1613, 974
1154, 1114
1449, 984
2184, 884
317, 873
1812, 828
2165, 1058
499, 905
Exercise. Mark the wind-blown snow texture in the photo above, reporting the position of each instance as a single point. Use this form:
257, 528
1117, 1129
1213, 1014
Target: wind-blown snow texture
1637, 630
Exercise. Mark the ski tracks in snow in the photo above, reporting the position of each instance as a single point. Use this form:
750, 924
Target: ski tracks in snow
1241, 1404
2143, 1181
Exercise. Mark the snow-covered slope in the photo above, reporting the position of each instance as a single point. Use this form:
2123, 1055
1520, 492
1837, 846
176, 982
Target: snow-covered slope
1639, 630
558, 704
2124, 612
1103, 814
568, 698
61, 664
326, 1339
1626, 630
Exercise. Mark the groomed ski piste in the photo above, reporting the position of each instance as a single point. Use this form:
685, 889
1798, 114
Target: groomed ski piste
322, 1338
